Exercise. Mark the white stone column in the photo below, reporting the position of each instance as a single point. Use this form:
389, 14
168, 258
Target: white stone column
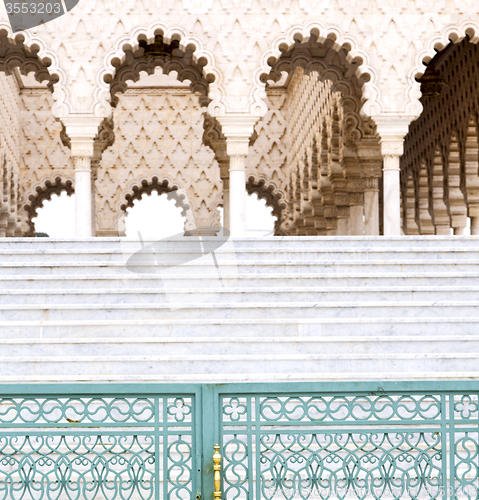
344, 228
82, 131
83, 197
371, 170
371, 206
237, 131
392, 194
224, 163
356, 215
94, 175
392, 130
226, 202
237, 195
474, 226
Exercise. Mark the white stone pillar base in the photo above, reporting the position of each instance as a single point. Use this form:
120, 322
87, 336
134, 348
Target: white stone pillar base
343, 227
371, 212
443, 230
356, 220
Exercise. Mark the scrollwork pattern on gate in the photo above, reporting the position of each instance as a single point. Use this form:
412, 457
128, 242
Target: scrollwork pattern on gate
77, 467
236, 467
466, 455
95, 447
75, 410
180, 469
337, 465
358, 445
357, 408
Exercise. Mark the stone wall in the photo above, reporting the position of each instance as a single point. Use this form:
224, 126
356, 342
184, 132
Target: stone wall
158, 139
267, 168
45, 162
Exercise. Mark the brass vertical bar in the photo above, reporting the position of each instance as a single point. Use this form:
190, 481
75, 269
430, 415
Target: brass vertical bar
217, 468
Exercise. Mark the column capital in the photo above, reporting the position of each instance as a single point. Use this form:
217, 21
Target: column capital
82, 130
392, 130
238, 130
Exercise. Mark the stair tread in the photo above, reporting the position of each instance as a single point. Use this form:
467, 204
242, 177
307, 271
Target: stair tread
371, 303
377, 277
240, 321
239, 340
239, 357
320, 249
239, 276
232, 290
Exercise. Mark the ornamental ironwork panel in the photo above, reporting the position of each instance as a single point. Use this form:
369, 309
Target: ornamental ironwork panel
364, 445
100, 447
276, 441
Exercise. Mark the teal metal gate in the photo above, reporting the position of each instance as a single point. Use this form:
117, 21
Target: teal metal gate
277, 441
107, 442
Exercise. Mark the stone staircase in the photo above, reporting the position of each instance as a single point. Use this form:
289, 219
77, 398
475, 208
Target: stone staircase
343, 308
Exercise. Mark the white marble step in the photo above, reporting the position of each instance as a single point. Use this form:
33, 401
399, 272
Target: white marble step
292, 309
103, 256
247, 329
285, 242
388, 371
232, 294
225, 345
419, 265
239, 310
233, 366
134, 281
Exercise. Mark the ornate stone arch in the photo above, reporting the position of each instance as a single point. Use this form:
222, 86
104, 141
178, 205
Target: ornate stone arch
43, 191
162, 184
200, 58
320, 32
30, 52
132, 67
435, 43
146, 185
274, 197
350, 87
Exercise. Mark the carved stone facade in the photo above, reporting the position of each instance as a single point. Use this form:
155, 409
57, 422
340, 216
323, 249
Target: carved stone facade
158, 135
308, 104
46, 166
